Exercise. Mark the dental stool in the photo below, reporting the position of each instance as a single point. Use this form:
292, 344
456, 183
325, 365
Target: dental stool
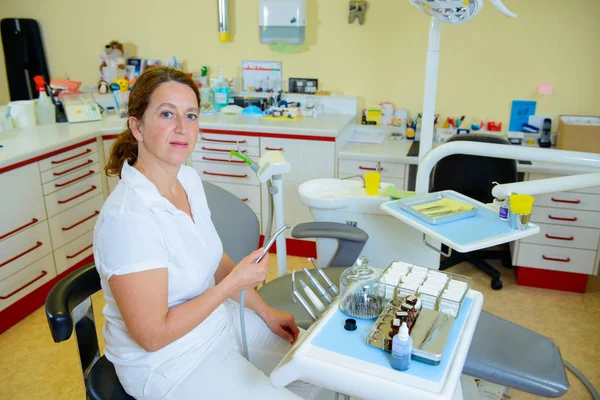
351, 241
68, 306
473, 177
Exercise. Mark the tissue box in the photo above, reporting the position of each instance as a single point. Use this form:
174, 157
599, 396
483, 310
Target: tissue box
579, 133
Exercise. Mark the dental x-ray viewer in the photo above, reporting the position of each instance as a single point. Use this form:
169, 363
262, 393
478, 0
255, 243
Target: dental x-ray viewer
172, 327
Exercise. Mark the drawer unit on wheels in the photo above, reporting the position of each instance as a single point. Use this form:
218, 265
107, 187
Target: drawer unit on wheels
73, 201
309, 159
210, 159
25, 247
391, 172
565, 251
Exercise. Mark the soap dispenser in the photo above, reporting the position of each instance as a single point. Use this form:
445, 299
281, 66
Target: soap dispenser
221, 92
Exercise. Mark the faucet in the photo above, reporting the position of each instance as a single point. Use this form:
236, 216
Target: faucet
356, 176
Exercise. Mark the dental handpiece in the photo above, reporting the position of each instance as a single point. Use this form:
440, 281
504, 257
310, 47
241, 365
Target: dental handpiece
330, 285
312, 296
322, 292
272, 241
299, 299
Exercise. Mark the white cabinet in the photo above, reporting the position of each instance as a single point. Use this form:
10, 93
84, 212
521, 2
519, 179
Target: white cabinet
211, 160
569, 232
391, 172
309, 159
27, 280
21, 202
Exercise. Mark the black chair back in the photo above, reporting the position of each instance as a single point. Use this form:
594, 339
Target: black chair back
473, 175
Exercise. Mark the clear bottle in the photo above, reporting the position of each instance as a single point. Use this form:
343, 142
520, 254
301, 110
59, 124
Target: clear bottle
221, 92
45, 109
401, 349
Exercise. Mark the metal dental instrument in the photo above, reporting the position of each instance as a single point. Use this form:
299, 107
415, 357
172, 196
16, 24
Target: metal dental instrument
435, 328
243, 292
330, 285
299, 299
322, 292
271, 242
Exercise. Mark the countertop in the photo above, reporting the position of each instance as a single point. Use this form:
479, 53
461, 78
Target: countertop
22, 144
397, 150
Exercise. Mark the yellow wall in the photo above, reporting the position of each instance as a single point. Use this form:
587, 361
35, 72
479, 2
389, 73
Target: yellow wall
483, 66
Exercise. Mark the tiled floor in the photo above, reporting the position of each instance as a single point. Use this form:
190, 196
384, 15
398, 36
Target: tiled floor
32, 366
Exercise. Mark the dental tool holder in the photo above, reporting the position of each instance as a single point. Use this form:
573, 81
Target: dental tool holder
272, 163
360, 296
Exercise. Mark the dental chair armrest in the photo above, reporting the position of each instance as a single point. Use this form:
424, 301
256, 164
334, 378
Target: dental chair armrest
330, 230
351, 239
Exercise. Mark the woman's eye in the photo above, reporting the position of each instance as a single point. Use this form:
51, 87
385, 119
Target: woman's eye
166, 114
192, 117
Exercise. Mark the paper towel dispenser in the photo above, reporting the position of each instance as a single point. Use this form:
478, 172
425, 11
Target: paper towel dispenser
282, 21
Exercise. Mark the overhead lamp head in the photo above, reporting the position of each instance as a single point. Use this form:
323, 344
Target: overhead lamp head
457, 11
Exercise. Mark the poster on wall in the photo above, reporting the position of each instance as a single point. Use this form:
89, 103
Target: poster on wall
261, 76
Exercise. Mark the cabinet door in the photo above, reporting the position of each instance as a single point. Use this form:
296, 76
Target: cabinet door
22, 249
27, 280
21, 202
61, 159
309, 160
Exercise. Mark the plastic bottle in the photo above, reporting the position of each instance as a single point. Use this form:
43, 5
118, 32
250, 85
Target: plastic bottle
221, 92
401, 349
45, 109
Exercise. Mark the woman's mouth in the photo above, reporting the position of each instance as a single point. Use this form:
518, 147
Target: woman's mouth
180, 145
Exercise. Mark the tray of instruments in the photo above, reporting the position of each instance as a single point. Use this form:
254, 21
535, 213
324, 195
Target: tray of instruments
429, 331
438, 208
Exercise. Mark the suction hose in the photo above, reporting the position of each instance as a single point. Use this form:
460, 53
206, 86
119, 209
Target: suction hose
243, 292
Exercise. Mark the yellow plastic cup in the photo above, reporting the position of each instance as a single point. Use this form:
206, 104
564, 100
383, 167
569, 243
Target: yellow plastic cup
372, 180
521, 203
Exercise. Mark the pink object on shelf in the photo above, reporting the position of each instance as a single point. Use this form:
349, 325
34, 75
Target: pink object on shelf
545, 88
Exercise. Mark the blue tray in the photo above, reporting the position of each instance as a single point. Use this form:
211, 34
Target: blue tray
408, 204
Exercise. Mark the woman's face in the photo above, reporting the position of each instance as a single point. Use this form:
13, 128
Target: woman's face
169, 128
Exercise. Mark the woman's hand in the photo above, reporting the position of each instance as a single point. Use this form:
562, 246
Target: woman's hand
282, 323
247, 275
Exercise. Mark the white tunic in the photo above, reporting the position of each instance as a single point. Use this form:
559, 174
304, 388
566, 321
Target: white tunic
139, 230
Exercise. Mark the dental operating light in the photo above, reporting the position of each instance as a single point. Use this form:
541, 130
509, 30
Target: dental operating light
452, 12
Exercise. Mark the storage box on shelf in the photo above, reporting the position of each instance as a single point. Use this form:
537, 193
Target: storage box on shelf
46, 224
391, 172
565, 251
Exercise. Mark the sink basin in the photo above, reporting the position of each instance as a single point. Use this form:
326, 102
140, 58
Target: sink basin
332, 194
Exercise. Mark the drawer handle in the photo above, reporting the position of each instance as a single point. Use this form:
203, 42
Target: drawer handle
274, 148
77, 195
556, 259
44, 273
562, 219
227, 175
566, 201
74, 180
88, 162
33, 221
245, 199
221, 150
220, 160
223, 141
368, 168
38, 244
80, 251
559, 237
72, 157
68, 228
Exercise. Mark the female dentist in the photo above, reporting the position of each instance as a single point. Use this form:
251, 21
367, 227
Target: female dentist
171, 329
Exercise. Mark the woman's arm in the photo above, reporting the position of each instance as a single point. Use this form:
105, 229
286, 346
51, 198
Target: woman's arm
280, 322
252, 300
142, 298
